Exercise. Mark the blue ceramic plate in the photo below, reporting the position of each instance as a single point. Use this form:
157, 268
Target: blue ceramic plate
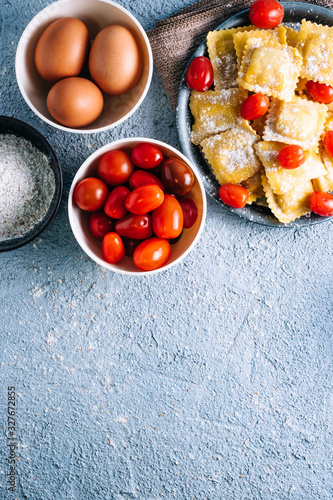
294, 13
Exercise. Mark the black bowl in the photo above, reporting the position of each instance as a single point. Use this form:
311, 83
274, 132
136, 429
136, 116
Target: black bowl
16, 127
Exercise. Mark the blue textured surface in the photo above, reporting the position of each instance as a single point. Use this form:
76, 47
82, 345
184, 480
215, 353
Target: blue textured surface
212, 380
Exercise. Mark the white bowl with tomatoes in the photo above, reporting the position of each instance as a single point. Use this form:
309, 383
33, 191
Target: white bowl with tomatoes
137, 206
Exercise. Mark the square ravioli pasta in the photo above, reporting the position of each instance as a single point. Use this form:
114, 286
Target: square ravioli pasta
291, 36
215, 111
254, 187
277, 63
270, 68
324, 182
291, 205
298, 121
241, 38
283, 180
315, 45
231, 154
223, 57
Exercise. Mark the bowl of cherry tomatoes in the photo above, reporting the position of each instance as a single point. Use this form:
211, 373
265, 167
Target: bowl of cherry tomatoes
137, 206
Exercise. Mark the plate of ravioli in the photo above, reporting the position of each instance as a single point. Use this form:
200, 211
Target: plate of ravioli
229, 149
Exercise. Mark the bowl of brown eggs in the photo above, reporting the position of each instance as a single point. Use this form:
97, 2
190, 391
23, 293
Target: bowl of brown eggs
84, 66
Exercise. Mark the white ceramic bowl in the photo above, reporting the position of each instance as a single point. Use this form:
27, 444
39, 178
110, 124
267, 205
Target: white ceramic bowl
79, 220
96, 14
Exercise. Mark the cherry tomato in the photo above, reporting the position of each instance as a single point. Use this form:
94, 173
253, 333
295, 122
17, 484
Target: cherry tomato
144, 199
143, 178
157, 170
266, 14
173, 241
152, 254
291, 156
137, 227
115, 203
168, 218
146, 155
115, 167
190, 211
328, 143
100, 224
255, 106
320, 92
177, 177
200, 74
321, 203
90, 194
234, 195
130, 245
113, 249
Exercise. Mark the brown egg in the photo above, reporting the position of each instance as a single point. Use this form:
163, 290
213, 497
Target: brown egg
62, 49
75, 102
114, 60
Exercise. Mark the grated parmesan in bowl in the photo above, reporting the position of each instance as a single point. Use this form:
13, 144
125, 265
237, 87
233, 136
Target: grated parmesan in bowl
30, 183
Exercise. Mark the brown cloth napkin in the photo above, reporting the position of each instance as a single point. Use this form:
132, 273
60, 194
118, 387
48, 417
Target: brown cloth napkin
174, 39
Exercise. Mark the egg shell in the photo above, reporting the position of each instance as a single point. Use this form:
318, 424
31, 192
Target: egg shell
115, 62
62, 49
75, 102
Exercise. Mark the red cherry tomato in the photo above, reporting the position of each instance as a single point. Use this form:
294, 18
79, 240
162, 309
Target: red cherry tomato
266, 14
328, 143
321, 203
291, 156
177, 177
144, 199
115, 203
234, 195
157, 170
146, 155
115, 167
137, 227
173, 241
320, 92
113, 249
100, 224
152, 254
90, 194
200, 74
130, 245
254, 106
190, 211
168, 218
143, 178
